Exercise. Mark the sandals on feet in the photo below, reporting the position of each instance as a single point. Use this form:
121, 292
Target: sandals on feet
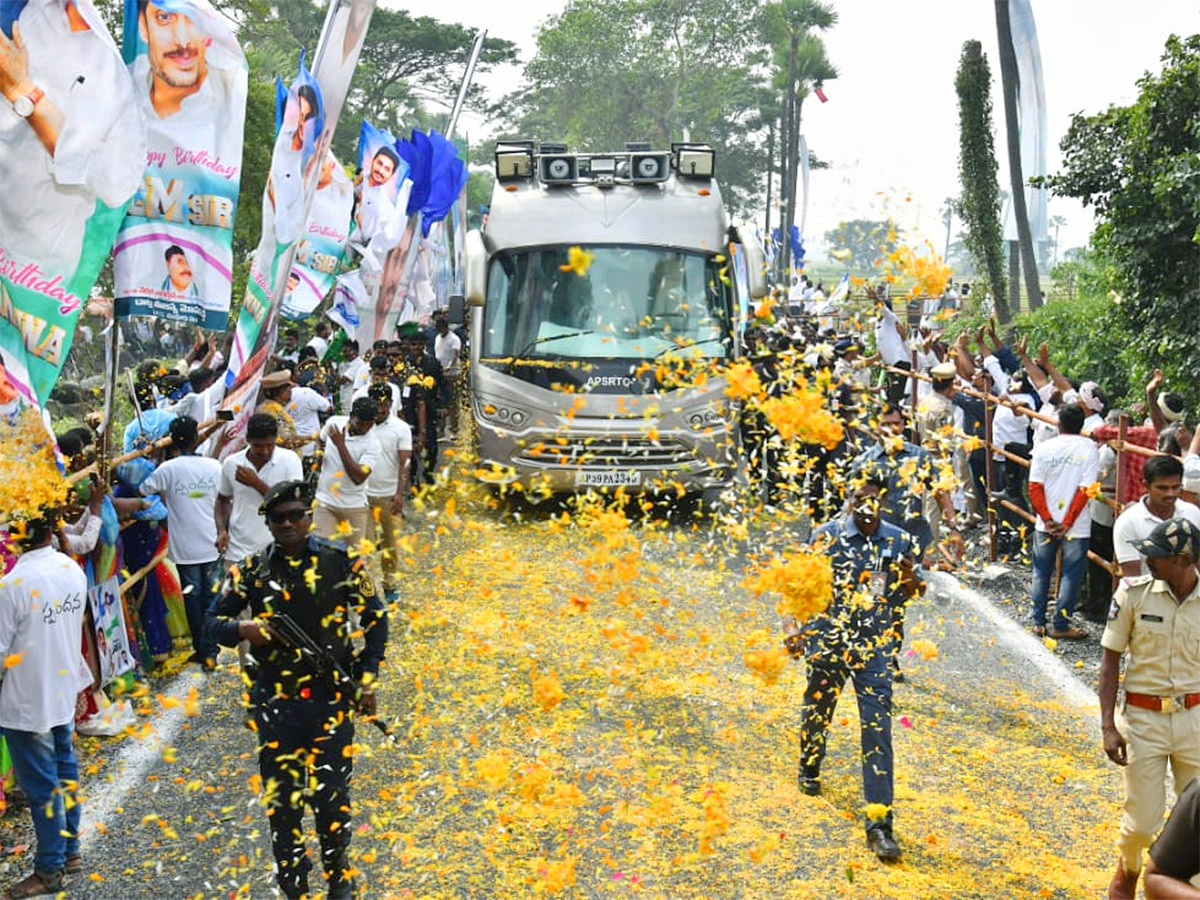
1070, 634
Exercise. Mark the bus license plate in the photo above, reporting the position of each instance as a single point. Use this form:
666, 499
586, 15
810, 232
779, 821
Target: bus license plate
609, 478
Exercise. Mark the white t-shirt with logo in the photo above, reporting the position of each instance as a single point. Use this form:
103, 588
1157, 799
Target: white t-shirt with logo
42, 601
248, 532
1062, 465
188, 488
335, 489
394, 436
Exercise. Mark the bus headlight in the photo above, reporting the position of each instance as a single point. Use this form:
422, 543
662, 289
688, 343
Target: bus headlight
506, 416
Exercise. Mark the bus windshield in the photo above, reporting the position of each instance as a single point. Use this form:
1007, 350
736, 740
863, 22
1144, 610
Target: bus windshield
632, 302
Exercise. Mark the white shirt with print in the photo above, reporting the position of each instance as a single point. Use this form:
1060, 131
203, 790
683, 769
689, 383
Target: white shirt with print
42, 601
188, 488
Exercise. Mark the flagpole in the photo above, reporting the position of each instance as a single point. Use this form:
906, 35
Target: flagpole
415, 221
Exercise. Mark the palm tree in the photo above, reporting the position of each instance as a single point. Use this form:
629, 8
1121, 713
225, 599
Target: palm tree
800, 65
949, 208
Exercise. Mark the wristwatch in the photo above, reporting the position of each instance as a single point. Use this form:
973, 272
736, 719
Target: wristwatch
24, 106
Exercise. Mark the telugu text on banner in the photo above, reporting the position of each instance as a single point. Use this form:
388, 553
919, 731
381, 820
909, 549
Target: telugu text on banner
71, 152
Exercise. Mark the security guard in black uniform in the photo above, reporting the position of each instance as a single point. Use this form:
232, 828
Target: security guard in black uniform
304, 724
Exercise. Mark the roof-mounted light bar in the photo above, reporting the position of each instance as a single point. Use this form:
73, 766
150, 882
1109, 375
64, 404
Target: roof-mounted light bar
694, 160
514, 159
554, 166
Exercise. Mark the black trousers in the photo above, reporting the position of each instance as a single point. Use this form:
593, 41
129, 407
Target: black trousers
1100, 580
897, 384
304, 761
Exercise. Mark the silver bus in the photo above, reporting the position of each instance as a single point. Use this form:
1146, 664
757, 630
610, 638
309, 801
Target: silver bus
605, 292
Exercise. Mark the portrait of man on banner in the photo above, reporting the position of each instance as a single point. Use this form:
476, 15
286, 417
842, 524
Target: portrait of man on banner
322, 247
283, 224
72, 148
190, 76
382, 194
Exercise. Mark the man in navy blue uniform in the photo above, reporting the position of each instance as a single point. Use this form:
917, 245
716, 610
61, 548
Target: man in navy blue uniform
874, 575
305, 727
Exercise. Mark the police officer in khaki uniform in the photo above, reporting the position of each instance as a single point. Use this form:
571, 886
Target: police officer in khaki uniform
938, 422
1155, 620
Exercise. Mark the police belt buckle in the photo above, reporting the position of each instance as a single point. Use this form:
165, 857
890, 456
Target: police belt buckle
1174, 704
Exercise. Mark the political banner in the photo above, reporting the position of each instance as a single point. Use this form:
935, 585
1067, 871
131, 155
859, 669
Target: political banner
174, 254
382, 198
72, 150
287, 202
112, 637
283, 218
322, 248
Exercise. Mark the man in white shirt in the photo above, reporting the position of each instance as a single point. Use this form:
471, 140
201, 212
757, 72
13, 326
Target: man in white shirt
350, 454
320, 340
188, 486
42, 601
348, 372
387, 485
246, 476
305, 408
1164, 482
1059, 475
446, 347
890, 336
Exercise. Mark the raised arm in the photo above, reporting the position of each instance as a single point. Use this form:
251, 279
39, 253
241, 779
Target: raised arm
1157, 419
1056, 376
1036, 376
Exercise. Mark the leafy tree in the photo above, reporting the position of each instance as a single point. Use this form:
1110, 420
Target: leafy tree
866, 240
1138, 166
979, 206
610, 71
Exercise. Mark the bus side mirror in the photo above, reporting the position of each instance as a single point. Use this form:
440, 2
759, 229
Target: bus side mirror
756, 262
476, 268
456, 309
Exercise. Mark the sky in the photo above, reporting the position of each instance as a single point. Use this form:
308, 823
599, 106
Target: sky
890, 128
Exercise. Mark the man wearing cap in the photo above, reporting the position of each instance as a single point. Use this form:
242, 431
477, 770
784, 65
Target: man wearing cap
1155, 623
351, 452
939, 422
855, 638
305, 730
188, 486
275, 393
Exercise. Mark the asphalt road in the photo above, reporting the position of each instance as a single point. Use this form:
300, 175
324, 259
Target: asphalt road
665, 769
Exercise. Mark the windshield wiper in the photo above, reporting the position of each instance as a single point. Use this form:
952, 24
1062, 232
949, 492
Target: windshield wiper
512, 364
687, 346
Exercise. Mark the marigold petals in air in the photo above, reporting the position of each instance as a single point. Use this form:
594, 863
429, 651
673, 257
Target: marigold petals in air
578, 261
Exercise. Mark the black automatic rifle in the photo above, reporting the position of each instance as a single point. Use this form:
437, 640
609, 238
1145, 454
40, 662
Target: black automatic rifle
321, 660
